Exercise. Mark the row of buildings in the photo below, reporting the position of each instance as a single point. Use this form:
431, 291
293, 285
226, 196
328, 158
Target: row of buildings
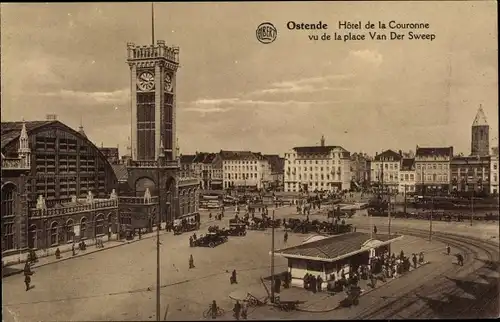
428, 170
234, 169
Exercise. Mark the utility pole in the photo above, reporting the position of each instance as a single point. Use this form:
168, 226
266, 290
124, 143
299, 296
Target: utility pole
472, 205
405, 199
272, 262
158, 223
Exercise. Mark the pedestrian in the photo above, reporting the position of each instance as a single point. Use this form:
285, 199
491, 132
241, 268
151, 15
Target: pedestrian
237, 310
314, 284
233, 277
448, 250
244, 310
58, 253
191, 261
374, 229
214, 309
27, 281
73, 249
320, 282
140, 233
285, 237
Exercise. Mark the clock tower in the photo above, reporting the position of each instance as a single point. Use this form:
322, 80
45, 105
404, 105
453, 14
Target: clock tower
153, 71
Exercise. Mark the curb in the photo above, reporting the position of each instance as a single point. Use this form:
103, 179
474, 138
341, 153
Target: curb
20, 271
362, 294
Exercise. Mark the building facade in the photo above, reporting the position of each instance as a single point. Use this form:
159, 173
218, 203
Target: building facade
244, 169
480, 140
360, 169
312, 168
494, 175
45, 166
63, 163
277, 165
407, 176
470, 175
385, 169
432, 167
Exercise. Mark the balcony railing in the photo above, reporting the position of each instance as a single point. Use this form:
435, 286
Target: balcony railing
14, 163
138, 200
153, 164
56, 211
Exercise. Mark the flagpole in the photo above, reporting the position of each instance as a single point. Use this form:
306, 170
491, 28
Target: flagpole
152, 23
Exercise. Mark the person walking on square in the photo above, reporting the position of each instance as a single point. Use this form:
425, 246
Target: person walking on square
73, 249
285, 237
374, 229
191, 261
448, 250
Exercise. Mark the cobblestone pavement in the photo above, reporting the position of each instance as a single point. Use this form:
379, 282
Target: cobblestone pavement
119, 284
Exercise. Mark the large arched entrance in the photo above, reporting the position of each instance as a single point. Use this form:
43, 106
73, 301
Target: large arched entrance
142, 184
170, 209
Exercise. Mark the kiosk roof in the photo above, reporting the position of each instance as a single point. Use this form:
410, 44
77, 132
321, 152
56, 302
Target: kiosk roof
336, 247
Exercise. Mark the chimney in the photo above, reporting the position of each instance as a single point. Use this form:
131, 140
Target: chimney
400, 153
376, 153
51, 117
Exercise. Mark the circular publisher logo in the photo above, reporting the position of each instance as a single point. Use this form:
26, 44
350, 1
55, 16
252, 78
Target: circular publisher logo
266, 33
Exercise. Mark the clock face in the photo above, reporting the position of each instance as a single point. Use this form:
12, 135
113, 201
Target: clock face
146, 81
168, 82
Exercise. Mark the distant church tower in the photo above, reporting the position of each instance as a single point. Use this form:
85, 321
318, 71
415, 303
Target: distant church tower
480, 143
153, 71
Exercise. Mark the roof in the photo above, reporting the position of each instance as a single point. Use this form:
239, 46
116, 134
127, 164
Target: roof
473, 159
317, 149
12, 130
188, 158
480, 119
448, 151
120, 171
240, 155
335, 247
407, 164
204, 157
388, 155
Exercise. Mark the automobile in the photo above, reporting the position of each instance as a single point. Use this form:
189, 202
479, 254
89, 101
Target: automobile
237, 229
210, 240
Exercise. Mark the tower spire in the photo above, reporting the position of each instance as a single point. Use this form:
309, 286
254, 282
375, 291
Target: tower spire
322, 140
480, 119
152, 23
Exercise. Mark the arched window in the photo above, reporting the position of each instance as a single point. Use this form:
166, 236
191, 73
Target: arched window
83, 227
8, 214
54, 233
142, 184
8, 200
69, 230
99, 224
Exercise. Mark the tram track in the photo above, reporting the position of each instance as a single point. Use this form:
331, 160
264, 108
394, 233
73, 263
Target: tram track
402, 302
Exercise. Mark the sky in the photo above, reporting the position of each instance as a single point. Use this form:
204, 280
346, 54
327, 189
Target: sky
235, 93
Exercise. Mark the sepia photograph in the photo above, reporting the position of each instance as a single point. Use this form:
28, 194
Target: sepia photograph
305, 160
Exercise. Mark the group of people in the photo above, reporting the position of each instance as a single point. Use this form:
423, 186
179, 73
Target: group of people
313, 283
192, 240
392, 266
219, 216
